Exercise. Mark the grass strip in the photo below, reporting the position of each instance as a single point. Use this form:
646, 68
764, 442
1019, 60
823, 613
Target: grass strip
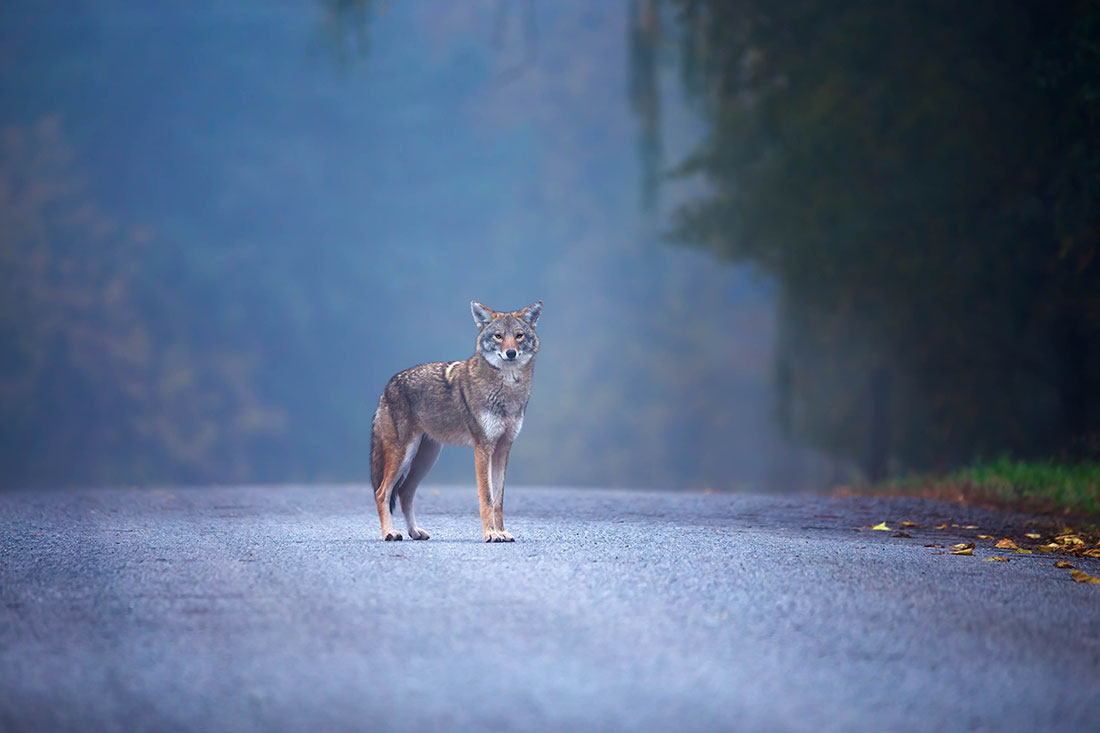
1033, 486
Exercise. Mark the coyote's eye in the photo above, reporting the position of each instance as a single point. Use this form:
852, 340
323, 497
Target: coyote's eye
498, 337
519, 337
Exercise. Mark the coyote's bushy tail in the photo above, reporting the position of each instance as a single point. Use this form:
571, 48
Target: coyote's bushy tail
378, 465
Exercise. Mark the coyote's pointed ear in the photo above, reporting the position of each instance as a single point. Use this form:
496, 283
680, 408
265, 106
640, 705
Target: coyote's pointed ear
532, 312
482, 315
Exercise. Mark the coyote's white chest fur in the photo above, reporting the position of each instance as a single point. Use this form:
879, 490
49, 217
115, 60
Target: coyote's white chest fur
495, 426
492, 425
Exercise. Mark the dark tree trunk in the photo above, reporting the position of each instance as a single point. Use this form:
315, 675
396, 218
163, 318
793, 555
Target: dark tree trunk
1075, 384
878, 424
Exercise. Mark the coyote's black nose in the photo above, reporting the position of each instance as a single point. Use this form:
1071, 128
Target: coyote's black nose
510, 353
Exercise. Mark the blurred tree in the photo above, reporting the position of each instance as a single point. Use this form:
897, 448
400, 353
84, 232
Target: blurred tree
97, 383
342, 30
922, 180
644, 92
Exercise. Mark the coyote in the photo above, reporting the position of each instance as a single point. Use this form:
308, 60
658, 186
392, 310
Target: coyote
477, 402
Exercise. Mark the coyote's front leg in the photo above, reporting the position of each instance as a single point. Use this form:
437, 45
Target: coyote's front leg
498, 465
484, 458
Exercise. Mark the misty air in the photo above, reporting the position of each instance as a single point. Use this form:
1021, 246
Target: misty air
742, 359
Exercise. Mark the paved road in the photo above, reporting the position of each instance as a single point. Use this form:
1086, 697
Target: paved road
281, 609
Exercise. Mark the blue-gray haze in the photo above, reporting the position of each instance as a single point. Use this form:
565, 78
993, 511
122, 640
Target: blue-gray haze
326, 197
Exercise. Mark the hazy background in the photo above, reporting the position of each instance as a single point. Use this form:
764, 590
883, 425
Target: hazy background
254, 216
225, 225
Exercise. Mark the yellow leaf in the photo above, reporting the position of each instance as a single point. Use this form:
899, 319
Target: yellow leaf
1069, 539
1062, 564
1082, 577
942, 526
964, 546
881, 526
970, 526
911, 525
1032, 535
1022, 552
984, 537
1005, 544
966, 551
1092, 553
1048, 548
995, 559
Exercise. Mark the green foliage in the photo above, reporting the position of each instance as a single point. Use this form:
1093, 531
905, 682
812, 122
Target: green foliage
1072, 486
922, 181
1046, 485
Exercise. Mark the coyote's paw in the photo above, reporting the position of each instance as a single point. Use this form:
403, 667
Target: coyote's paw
418, 534
393, 536
496, 535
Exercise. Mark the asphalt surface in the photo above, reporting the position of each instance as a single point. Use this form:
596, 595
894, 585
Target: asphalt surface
252, 608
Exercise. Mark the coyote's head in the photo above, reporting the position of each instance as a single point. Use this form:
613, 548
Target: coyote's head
506, 338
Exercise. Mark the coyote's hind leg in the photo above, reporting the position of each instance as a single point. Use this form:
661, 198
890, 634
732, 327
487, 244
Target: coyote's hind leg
422, 462
396, 467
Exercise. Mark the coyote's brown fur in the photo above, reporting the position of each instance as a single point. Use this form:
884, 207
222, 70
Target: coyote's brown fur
477, 402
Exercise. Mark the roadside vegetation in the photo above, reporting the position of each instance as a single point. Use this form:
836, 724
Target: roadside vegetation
1068, 494
1038, 486
919, 180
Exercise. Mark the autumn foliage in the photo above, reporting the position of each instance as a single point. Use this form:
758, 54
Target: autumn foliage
98, 380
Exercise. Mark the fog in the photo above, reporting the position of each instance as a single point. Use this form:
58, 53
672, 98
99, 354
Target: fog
244, 219
780, 245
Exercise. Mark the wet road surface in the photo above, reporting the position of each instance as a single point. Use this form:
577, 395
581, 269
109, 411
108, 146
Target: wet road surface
252, 608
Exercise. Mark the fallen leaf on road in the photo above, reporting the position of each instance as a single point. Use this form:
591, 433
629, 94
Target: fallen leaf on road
882, 526
902, 534
1005, 544
995, 559
1032, 535
1062, 564
1048, 548
942, 526
1069, 539
963, 545
964, 551
1092, 553
970, 526
985, 537
1081, 576
933, 545
1021, 551
911, 525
